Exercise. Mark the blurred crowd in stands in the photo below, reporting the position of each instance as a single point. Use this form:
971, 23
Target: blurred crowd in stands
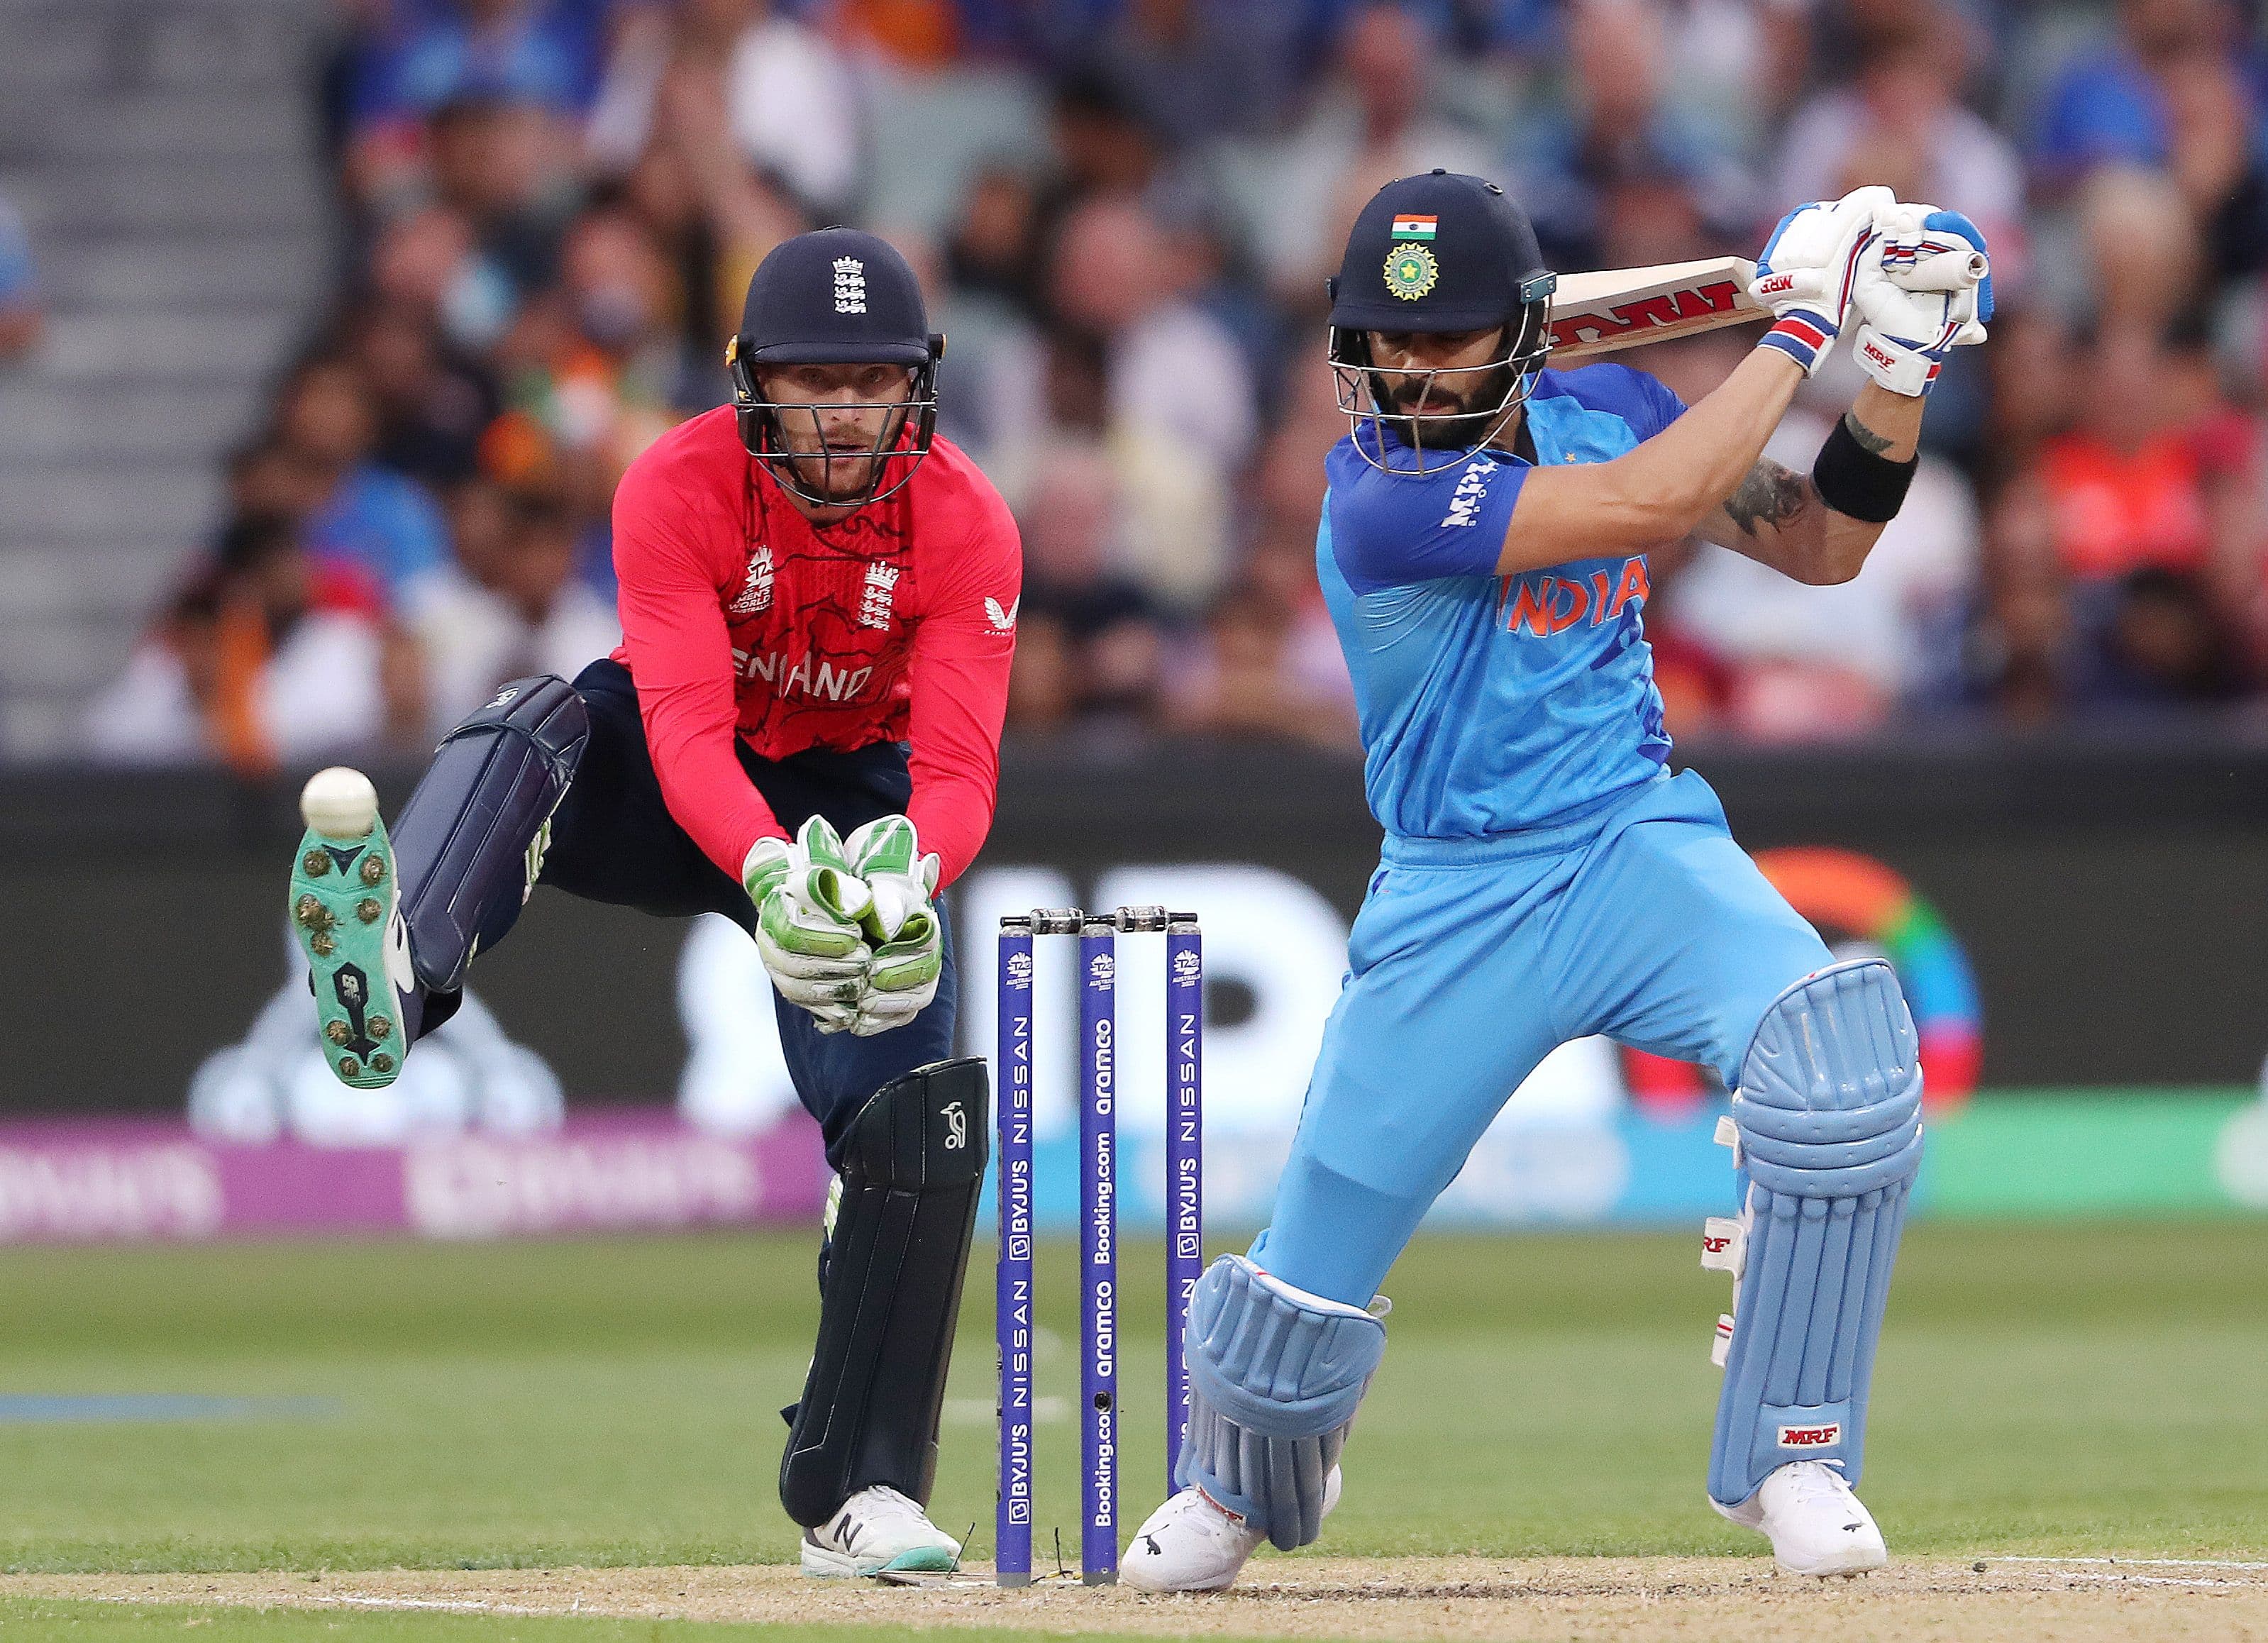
1125, 210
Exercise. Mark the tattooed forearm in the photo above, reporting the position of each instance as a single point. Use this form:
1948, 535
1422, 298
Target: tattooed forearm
1771, 496
1873, 444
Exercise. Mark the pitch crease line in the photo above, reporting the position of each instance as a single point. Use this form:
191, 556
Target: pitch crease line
2163, 1580
2141, 1563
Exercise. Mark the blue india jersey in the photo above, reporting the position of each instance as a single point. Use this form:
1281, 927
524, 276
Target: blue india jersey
1492, 703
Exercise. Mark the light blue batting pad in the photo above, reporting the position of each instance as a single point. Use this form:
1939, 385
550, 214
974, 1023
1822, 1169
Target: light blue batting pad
1275, 1376
1829, 1109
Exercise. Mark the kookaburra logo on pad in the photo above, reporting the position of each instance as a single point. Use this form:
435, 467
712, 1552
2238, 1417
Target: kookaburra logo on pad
850, 285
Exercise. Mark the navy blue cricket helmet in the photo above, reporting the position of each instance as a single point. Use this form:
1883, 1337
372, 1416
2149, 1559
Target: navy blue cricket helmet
1437, 252
835, 295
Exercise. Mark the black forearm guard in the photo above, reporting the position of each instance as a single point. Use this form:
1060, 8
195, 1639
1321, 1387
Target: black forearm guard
1855, 482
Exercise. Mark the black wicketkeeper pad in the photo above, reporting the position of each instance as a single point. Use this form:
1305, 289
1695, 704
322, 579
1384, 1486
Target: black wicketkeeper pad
913, 1168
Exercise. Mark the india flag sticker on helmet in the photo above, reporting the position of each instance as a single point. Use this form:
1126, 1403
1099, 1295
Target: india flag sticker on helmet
1412, 226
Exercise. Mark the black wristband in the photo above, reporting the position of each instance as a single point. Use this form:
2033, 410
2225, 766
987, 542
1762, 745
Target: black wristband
1855, 482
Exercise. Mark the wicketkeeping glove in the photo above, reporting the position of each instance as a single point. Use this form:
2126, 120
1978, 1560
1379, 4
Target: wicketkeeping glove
1807, 268
808, 908
1925, 288
900, 924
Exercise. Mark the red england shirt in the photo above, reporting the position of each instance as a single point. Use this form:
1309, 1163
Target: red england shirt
742, 620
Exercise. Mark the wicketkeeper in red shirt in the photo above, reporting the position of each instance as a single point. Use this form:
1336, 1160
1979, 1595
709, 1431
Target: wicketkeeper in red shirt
801, 731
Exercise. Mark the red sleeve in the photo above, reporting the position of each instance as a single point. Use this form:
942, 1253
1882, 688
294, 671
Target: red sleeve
960, 676
680, 655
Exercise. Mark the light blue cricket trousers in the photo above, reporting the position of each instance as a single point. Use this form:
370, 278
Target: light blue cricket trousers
1472, 960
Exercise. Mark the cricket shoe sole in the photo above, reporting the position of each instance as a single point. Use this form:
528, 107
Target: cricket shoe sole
345, 914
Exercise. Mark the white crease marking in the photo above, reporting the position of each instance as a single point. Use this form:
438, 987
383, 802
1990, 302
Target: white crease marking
2141, 1563
459, 1604
2162, 1580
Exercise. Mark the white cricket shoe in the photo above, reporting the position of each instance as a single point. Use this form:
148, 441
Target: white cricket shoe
1193, 1543
1815, 1524
875, 1529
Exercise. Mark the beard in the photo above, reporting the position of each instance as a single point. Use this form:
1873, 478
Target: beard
843, 475
837, 476
1451, 420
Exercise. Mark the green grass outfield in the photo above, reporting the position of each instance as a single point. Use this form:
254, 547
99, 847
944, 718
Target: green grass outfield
2074, 1389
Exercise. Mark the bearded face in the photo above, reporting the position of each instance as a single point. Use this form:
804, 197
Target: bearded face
1445, 407
835, 423
1421, 400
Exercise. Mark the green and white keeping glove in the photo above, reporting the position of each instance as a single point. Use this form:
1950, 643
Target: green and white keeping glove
809, 905
900, 924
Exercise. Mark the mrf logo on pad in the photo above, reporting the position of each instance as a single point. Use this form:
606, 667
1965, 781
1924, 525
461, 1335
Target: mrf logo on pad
1825, 1435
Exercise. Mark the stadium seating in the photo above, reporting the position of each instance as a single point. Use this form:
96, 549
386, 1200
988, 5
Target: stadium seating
164, 157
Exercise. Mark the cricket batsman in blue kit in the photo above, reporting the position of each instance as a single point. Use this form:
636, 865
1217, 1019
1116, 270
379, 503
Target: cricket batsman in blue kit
1545, 876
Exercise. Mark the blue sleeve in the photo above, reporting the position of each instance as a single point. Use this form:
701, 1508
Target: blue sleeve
1655, 405
1639, 401
1389, 529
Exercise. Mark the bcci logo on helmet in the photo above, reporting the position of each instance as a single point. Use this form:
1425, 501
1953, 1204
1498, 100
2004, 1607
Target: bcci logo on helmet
1412, 271
1102, 969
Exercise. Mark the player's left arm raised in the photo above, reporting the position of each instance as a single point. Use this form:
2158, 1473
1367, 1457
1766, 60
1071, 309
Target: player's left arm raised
1819, 527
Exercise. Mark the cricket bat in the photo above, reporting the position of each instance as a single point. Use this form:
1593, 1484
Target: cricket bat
1611, 309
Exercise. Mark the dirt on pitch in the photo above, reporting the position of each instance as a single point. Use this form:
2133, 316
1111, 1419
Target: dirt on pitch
1472, 1598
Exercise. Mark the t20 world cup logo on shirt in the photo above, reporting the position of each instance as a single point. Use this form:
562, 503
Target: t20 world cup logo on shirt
755, 595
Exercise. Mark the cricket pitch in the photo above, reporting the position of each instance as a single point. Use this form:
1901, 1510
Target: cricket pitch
1477, 1598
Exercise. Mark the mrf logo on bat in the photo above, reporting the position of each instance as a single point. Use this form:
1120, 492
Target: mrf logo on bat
1661, 311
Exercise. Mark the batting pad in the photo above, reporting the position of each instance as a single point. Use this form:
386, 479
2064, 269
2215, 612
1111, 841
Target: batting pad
1829, 1111
1275, 1376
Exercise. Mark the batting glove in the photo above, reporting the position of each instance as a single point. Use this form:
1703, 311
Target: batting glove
1807, 269
1925, 288
808, 908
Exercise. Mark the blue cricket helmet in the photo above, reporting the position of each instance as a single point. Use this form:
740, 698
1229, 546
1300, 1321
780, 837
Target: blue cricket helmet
835, 295
1439, 253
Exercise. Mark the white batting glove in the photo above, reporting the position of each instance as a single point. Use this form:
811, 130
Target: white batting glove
1807, 269
1925, 288
808, 908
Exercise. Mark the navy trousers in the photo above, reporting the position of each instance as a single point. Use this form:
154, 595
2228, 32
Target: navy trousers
614, 840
